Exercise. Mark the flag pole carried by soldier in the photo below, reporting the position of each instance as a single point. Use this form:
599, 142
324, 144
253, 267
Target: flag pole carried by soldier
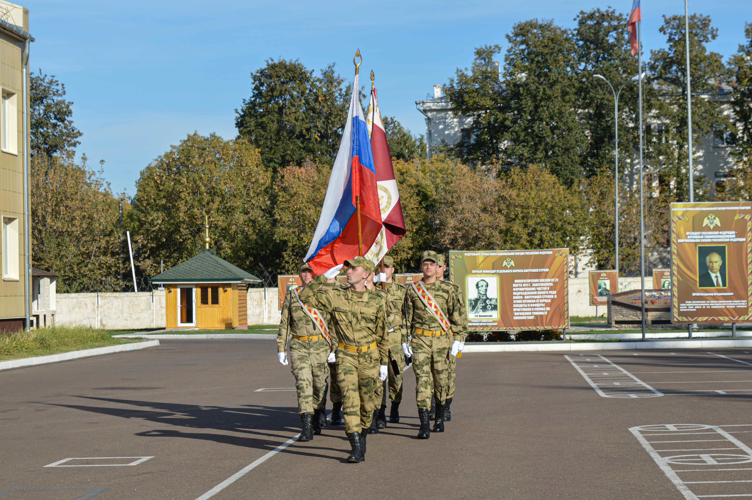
359, 348
451, 376
434, 316
303, 329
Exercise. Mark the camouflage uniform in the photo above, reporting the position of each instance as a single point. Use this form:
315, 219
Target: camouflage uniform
307, 357
430, 353
395, 303
357, 322
335, 394
452, 376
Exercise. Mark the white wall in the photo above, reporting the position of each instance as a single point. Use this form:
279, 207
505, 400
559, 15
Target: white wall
122, 311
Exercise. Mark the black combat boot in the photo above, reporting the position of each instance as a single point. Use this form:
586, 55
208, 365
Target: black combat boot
363, 436
316, 421
356, 451
381, 417
448, 410
425, 424
322, 416
307, 433
432, 413
374, 426
394, 413
336, 414
438, 425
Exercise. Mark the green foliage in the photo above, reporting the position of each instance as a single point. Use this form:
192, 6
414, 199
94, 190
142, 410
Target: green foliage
669, 138
54, 339
292, 114
223, 180
74, 225
51, 124
740, 67
403, 145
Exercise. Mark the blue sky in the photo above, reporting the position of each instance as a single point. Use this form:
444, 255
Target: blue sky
143, 75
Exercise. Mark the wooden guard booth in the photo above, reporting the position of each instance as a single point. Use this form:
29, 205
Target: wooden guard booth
206, 292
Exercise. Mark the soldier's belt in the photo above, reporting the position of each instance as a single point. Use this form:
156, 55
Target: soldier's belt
307, 338
429, 333
358, 349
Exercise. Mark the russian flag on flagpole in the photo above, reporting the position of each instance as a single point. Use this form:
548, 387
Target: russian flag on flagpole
389, 198
353, 174
634, 16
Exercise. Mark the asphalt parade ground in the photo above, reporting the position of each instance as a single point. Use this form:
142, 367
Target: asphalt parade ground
216, 419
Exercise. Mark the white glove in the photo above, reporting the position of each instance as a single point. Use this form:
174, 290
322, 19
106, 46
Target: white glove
282, 356
383, 372
332, 358
455, 348
462, 346
407, 350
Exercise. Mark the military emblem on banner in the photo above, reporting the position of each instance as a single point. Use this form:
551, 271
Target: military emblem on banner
711, 221
508, 263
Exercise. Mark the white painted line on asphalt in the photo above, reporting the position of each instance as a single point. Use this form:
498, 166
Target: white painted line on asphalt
68, 356
273, 389
621, 384
139, 460
731, 359
705, 460
245, 470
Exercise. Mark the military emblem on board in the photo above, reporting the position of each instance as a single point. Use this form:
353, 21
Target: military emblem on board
508, 263
711, 221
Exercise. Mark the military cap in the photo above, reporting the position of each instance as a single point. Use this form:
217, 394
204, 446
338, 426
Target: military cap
429, 255
360, 262
304, 267
388, 261
440, 259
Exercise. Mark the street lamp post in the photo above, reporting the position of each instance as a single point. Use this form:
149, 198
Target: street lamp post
616, 166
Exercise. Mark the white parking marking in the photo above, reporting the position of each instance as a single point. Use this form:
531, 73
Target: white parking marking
248, 468
711, 459
619, 384
139, 460
275, 389
731, 359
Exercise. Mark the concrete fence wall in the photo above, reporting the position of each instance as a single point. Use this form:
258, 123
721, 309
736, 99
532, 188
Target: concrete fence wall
123, 311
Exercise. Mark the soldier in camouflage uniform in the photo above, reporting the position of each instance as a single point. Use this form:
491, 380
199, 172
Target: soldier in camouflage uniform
395, 297
359, 347
308, 352
378, 290
431, 343
451, 377
335, 394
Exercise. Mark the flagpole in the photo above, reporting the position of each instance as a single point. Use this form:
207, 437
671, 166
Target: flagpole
357, 197
642, 219
689, 104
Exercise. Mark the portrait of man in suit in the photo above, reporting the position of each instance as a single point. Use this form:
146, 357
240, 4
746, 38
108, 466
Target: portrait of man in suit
482, 300
713, 273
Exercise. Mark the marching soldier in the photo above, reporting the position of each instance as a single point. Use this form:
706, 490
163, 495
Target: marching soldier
335, 394
371, 287
309, 348
359, 348
395, 296
451, 376
434, 316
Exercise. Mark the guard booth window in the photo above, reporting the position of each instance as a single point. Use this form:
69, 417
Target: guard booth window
209, 293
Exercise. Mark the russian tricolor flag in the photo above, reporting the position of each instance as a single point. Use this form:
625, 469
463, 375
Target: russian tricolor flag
634, 16
353, 175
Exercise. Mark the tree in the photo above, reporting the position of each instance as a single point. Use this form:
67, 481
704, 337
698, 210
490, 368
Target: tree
403, 145
51, 124
479, 93
299, 193
74, 225
542, 104
202, 176
292, 114
740, 66
602, 47
668, 132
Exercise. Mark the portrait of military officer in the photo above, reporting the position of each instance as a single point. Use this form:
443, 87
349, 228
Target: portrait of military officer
603, 288
482, 301
710, 267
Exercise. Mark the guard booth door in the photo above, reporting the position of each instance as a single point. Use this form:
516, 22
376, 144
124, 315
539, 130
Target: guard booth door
186, 306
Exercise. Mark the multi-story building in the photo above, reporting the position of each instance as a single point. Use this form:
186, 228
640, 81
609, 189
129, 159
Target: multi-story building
15, 251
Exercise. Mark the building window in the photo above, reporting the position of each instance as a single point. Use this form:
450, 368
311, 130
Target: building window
10, 248
9, 123
209, 295
722, 138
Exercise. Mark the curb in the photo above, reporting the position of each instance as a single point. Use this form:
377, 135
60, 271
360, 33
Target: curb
67, 356
672, 336
203, 336
607, 346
